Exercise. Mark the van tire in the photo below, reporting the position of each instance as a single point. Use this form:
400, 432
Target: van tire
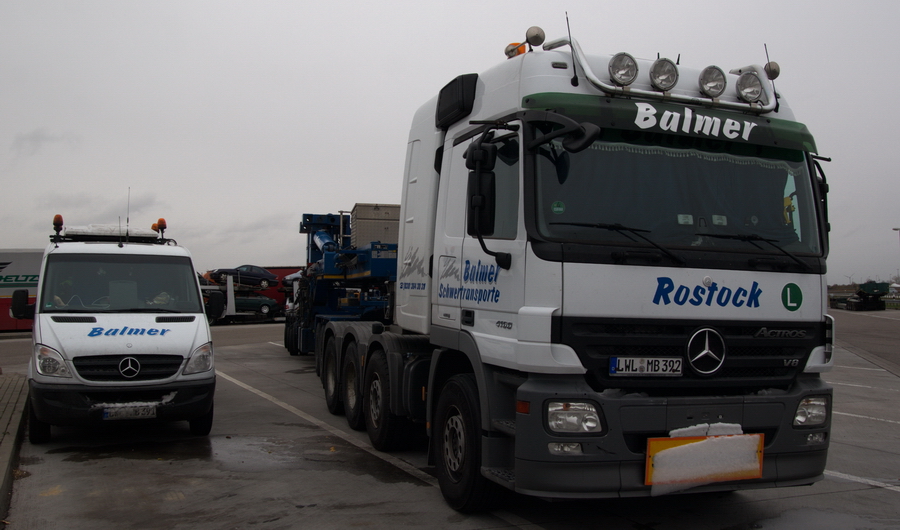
202, 425
38, 431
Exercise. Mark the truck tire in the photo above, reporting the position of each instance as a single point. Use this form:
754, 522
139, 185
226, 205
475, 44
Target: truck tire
331, 379
353, 405
202, 425
38, 431
387, 432
290, 336
457, 439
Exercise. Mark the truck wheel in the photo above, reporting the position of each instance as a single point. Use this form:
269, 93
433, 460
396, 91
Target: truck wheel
202, 425
457, 439
38, 431
386, 431
290, 337
330, 379
353, 406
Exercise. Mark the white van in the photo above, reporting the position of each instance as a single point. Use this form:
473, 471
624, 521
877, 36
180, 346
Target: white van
119, 333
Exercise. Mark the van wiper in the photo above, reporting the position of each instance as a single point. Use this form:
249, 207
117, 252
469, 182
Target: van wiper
136, 310
625, 230
753, 238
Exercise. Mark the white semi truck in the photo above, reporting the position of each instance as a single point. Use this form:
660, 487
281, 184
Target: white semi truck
608, 269
119, 331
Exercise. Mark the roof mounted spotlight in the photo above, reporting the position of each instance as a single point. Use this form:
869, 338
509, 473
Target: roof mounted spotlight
749, 87
161, 226
623, 69
57, 227
712, 82
533, 37
663, 75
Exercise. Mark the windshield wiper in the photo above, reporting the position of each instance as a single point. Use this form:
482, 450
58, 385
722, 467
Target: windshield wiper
753, 238
625, 230
137, 310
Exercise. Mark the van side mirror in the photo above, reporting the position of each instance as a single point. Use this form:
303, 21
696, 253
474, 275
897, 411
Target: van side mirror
216, 304
20, 307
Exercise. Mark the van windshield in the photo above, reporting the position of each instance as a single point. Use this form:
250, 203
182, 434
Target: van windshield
91, 283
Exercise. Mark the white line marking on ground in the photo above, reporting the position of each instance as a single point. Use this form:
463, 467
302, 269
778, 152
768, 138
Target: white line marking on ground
850, 367
861, 480
867, 417
337, 432
513, 520
864, 386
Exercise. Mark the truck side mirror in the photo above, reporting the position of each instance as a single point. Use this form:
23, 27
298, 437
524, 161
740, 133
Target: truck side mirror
20, 307
216, 304
482, 200
483, 153
582, 138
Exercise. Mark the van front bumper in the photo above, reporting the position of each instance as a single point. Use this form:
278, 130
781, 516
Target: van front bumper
76, 404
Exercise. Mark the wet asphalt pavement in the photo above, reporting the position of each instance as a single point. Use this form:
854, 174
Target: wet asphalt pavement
276, 459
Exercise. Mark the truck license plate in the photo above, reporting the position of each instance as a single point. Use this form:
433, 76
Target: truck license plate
645, 366
129, 412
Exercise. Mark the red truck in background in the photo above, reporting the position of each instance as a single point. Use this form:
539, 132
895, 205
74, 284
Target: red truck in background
19, 269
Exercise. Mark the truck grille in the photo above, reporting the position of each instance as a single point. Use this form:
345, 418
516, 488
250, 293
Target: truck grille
106, 367
752, 359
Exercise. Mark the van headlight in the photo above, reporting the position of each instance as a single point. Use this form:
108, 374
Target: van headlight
50, 362
573, 417
201, 360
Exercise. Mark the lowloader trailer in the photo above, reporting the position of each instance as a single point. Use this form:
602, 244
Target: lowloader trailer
607, 270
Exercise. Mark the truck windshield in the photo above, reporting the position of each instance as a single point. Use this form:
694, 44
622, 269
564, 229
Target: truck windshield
677, 192
91, 283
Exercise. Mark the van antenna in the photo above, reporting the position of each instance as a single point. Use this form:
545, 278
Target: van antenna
127, 215
572, 47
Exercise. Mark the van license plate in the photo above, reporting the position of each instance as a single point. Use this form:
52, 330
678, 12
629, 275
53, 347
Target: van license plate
645, 366
129, 412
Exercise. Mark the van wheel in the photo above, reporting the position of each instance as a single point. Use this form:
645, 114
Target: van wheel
330, 379
457, 440
202, 425
38, 431
353, 406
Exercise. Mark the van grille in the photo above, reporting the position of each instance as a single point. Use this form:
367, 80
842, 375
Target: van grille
106, 367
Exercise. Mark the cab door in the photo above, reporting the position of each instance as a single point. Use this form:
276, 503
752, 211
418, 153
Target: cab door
492, 266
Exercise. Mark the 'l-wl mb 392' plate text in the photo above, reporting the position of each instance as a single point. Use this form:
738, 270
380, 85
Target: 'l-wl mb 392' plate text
645, 366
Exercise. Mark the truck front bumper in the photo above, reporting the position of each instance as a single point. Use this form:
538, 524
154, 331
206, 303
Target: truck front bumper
613, 463
76, 404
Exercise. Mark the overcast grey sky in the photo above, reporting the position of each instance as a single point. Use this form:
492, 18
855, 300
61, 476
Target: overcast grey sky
233, 118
